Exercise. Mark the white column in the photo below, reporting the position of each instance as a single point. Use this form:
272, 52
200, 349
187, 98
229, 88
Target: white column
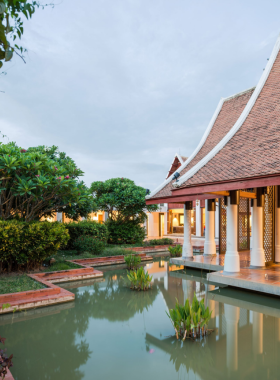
257, 253
59, 216
150, 224
198, 218
105, 216
217, 221
277, 230
209, 244
187, 246
257, 333
165, 223
232, 263
232, 317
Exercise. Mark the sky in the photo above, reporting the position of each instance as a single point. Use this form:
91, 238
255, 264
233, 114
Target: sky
121, 86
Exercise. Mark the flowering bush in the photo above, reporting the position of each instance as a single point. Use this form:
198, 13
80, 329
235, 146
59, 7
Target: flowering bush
39, 181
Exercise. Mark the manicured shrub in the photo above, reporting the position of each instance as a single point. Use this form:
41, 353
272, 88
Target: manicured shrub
90, 244
26, 245
164, 241
130, 232
86, 228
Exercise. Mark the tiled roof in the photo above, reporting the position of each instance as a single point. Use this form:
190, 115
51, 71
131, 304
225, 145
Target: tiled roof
177, 162
175, 165
254, 149
231, 110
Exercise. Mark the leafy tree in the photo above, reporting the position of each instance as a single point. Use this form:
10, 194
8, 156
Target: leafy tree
40, 181
11, 26
126, 207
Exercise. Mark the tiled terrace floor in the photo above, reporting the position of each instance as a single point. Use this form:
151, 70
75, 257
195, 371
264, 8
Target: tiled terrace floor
211, 262
265, 280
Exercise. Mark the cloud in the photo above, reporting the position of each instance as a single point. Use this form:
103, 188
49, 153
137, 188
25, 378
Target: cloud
121, 86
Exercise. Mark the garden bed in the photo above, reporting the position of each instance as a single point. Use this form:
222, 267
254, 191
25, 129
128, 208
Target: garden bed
109, 260
50, 294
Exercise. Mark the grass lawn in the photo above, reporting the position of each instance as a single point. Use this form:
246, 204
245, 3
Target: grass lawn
21, 282
18, 283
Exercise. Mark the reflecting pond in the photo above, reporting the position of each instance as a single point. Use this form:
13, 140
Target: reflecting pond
111, 332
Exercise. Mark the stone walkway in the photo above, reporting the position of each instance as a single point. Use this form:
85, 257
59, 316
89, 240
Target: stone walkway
265, 280
213, 263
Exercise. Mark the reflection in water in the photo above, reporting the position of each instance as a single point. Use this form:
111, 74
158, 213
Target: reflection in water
110, 331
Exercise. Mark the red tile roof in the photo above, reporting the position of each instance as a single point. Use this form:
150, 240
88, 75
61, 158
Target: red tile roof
175, 165
229, 113
254, 150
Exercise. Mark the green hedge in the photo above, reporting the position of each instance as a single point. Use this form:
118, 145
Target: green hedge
130, 232
26, 245
86, 228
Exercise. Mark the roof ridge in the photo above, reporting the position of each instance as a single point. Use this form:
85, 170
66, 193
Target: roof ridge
239, 121
239, 93
199, 146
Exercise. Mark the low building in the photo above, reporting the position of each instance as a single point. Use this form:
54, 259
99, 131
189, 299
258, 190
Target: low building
169, 220
238, 163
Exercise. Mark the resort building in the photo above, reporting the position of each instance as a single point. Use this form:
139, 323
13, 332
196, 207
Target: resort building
99, 216
237, 165
169, 220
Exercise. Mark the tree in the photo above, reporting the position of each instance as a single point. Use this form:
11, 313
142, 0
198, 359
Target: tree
11, 26
40, 181
126, 207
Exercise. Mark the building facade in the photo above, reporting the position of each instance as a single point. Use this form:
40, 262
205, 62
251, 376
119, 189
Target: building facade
237, 163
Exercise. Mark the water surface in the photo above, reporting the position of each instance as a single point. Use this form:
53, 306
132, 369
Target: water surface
111, 332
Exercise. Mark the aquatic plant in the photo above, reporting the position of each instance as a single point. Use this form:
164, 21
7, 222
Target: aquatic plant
175, 251
190, 321
132, 261
139, 279
5, 361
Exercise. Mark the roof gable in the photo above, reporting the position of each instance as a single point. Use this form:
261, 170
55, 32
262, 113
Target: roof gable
252, 147
177, 162
225, 116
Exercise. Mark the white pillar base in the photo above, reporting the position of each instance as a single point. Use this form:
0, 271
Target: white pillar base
232, 262
209, 244
210, 248
187, 251
257, 258
257, 253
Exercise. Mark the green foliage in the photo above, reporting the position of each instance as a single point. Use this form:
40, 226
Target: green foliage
11, 26
132, 261
126, 207
129, 232
26, 245
175, 251
139, 279
184, 318
90, 244
86, 228
39, 181
164, 241
18, 283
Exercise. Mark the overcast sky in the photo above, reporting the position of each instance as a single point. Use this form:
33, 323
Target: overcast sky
122, 85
